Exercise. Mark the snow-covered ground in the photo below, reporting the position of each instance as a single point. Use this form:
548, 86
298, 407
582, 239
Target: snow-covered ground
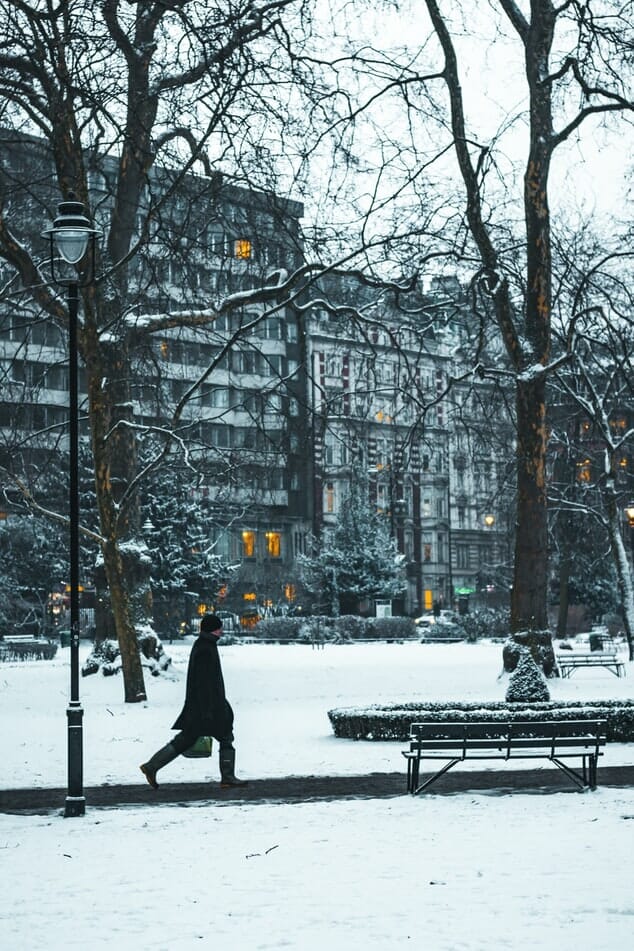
465, 872
280, 695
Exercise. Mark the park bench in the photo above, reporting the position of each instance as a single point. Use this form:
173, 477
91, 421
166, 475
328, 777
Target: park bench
556, 740
26, 647
573, 660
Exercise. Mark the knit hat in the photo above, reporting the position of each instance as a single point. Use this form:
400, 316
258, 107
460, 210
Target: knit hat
209, 623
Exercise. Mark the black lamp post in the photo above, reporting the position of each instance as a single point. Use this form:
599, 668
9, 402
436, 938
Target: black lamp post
71, 236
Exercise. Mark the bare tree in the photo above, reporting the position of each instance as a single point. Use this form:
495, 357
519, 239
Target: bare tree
526, 327
128, 99
597, 387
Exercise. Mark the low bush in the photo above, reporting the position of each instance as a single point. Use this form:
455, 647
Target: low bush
393, 722
27, 650
490, 622
278, 628
391, 628
320, 629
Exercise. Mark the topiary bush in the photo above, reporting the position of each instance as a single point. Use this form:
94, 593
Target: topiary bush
527, 683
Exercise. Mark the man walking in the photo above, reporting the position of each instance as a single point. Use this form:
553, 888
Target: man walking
207, 711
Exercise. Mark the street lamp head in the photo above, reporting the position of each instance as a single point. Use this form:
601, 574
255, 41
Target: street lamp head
489, 521
72, 232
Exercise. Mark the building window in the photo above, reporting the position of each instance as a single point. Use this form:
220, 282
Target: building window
584, 471
243, 249
329, 506
248, 544
273, 544
290, 592
462, 556
219, 397
427, 551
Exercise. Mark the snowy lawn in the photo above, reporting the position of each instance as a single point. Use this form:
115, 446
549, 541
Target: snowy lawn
280, 695
463, 872
441, 873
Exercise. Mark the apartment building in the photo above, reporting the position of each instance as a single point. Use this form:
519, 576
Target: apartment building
278, 408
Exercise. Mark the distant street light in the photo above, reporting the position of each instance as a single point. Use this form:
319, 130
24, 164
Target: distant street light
71, 237
489, 520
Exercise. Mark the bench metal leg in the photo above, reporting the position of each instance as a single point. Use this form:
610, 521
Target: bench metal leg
416, 788
586, 778
413, 765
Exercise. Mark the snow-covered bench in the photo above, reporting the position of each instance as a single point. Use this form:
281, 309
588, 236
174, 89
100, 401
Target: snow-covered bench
26, 647
556, 740
572, 660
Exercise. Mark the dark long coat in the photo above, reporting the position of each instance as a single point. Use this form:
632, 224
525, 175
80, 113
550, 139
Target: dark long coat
207, 711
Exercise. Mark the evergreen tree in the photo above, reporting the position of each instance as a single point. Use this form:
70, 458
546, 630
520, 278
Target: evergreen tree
181, 550
358, 560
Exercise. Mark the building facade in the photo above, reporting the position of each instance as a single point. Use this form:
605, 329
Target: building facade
272, 409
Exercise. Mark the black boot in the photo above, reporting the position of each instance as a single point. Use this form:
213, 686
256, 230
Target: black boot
227, 767
160, 759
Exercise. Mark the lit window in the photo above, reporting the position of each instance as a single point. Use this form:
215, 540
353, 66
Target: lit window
427, 552
290, 592
330, 498
273, 544
249, 596
164, 348
243, 249
248, 544
584, 471
619, 423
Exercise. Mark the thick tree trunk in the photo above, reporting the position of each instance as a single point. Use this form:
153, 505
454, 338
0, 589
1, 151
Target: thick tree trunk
114, 455
530, 586
133, 680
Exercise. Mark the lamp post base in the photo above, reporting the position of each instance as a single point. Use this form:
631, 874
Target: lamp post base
75, 801
74, 806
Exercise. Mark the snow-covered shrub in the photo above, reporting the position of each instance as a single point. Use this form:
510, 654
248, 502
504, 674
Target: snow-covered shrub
318, 629
278, 628
527, 683
381, 722
488, 622
444, 630
106, 656
390, 628
350, 627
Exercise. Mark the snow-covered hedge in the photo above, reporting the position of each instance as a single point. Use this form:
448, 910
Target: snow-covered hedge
347, 627
393, 723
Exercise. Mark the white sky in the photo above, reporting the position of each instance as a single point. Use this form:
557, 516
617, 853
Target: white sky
591, 173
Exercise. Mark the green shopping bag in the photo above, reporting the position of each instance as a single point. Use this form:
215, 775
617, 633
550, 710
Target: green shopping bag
202, 747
